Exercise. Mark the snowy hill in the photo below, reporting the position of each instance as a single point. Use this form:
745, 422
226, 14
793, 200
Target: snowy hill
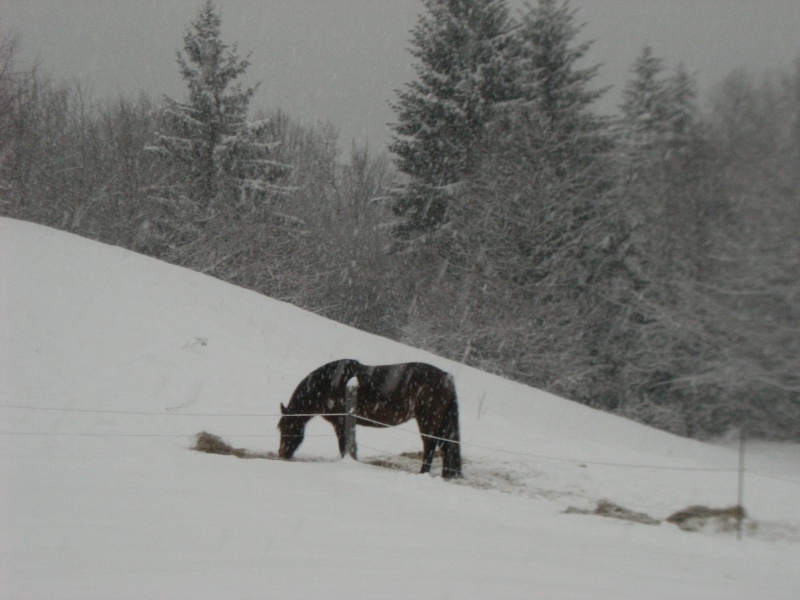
111, 362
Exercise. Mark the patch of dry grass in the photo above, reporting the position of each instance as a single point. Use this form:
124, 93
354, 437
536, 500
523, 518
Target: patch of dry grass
696, 518
213, 444
606, 508
405, 461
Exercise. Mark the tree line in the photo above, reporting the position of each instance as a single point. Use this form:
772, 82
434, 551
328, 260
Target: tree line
645, 264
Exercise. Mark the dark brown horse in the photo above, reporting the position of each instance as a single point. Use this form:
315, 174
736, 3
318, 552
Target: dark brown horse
387, 395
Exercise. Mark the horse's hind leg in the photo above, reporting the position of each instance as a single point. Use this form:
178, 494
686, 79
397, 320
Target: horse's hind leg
452, 460
449, 430
428, 449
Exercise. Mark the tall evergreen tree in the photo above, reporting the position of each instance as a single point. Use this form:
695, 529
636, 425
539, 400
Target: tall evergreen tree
663, 160
667, 186
532, 241
222, 159
658, 110
547, 147
460, 46
644, 100
553, 89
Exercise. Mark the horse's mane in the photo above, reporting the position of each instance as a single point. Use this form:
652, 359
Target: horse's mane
320, 383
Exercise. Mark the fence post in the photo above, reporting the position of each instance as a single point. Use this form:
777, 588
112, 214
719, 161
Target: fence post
350, 420
740, 493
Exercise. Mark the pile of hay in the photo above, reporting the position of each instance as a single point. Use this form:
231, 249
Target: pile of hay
699, 518
615, 511
694, 518
213, 444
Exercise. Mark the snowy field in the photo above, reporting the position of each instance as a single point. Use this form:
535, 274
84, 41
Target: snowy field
111, 363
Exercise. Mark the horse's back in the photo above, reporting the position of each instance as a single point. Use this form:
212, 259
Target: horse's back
404, 388
397, 378
431, 376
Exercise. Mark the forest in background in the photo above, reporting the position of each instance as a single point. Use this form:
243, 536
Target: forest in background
646, 264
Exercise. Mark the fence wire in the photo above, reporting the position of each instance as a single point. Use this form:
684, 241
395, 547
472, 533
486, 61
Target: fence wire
358, 418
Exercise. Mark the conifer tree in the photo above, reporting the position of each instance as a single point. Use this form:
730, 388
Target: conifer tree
663, 159
460, 46
531, 242
657, 109
644, 100
547, 147
222, 161
666, 187
553, 89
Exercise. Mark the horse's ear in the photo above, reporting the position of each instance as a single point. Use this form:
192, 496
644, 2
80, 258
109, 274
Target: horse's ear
283, 409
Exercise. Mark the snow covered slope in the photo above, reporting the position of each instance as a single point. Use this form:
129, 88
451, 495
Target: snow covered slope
110, 362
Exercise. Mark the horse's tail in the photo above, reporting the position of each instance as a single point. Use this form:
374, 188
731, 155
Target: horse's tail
449, 433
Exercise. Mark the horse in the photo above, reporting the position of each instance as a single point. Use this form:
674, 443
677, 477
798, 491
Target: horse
386, 395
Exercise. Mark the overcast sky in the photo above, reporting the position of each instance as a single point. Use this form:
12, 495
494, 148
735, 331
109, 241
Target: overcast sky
342, 60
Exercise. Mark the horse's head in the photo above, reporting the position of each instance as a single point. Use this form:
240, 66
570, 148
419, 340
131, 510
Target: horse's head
292, 428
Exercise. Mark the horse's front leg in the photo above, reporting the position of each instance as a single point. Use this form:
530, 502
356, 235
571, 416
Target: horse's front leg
338, 426
428, 449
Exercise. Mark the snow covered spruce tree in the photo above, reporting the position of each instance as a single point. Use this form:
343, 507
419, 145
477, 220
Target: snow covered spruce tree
546, 147
222, 165
460, 46
554, 99
658, 110
663, 168
534, 225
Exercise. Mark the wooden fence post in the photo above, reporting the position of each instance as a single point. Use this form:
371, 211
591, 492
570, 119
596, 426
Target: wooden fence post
350, 420
740, 492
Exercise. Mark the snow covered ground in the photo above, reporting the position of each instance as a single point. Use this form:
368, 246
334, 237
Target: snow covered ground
110, 362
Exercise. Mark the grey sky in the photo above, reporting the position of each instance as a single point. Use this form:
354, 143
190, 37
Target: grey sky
341, 60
